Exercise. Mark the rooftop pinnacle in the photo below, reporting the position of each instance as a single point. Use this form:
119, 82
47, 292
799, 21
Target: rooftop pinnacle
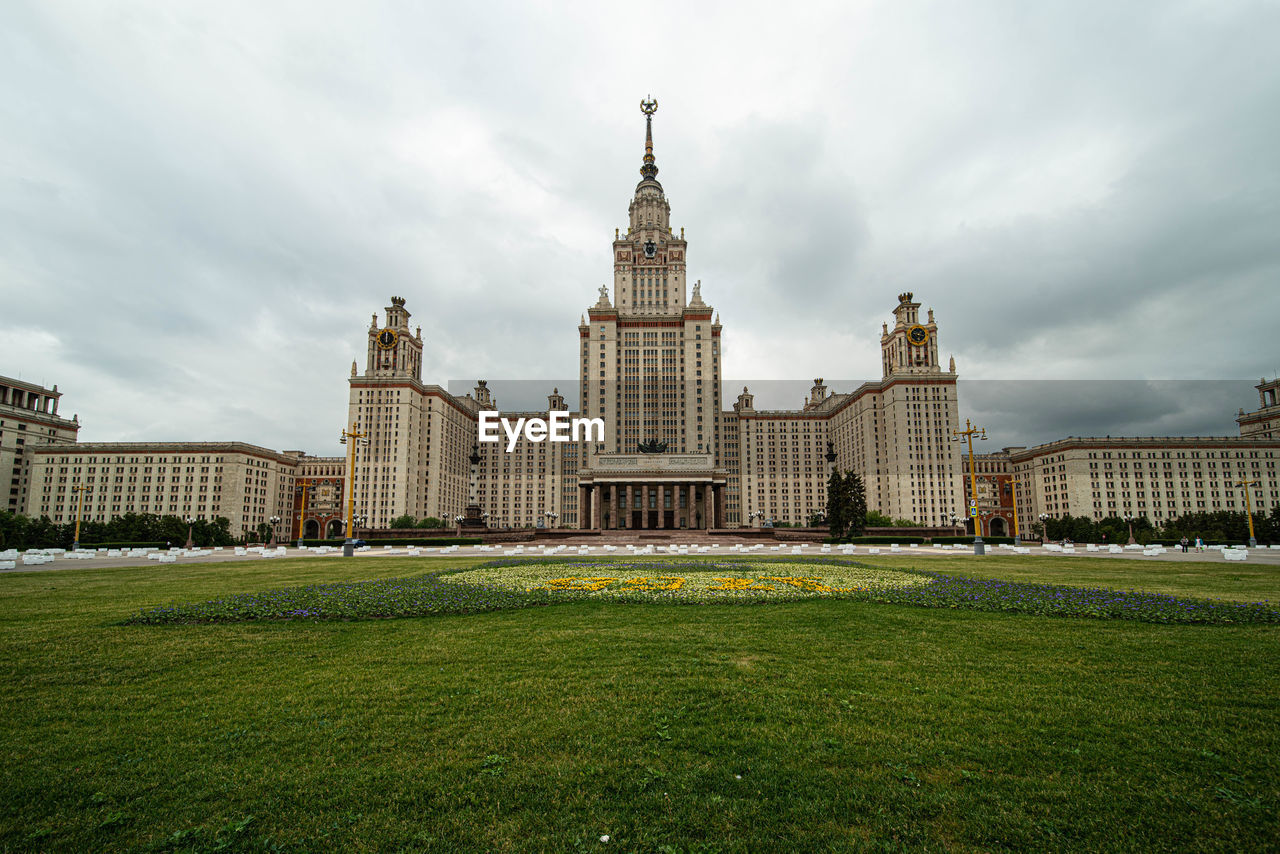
650, 168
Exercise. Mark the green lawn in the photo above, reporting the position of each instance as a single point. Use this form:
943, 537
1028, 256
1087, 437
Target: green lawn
1216, 579
815, 725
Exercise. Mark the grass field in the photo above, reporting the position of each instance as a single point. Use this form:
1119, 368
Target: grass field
814, 725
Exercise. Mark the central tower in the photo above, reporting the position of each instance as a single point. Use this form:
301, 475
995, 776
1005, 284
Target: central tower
651, 356
649, 261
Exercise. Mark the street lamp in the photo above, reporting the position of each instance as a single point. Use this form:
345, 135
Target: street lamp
457, 521
302, 509
966, 435
1248, 509
191, 521
275, 522
1044, 528
551, 518
357, 439
79, 488
1128, 517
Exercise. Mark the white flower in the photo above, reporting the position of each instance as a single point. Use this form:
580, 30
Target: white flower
604, 838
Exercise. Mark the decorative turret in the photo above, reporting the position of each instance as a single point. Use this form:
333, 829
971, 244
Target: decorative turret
482, 394
817, 394
555, 401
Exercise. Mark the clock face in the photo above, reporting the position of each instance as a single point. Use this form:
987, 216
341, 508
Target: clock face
387, 339
650, 249
918, 335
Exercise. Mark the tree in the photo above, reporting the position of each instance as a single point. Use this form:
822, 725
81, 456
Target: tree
405, 521
431, 522
857, 498
846, 505
837, 510
876, 519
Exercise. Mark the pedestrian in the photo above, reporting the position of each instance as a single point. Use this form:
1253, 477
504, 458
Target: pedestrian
1199, 544
1184, 545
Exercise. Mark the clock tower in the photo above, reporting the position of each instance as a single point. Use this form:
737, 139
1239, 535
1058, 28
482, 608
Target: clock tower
394, 351
911, 347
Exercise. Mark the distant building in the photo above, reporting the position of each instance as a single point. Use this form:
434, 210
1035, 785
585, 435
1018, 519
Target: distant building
1157, 477
993, 475
1264, 422
28, 419
200, 480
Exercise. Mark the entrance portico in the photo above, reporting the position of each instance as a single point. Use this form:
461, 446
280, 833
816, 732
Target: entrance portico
651, 491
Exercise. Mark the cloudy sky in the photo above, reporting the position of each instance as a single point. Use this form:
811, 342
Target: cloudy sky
203, 203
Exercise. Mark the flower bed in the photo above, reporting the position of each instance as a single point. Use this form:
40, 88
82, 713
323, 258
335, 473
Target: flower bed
508, 584
689, 580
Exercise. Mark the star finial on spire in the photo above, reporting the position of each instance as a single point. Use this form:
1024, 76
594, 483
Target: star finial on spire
650, 168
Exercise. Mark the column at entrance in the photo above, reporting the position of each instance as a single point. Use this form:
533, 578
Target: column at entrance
583, 519
644, 506
662, 507
613, 494
719, 499
690, 520
595, 508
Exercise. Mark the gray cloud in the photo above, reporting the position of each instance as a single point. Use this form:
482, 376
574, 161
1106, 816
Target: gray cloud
200, 205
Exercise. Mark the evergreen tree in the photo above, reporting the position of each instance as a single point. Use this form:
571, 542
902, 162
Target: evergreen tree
837, 512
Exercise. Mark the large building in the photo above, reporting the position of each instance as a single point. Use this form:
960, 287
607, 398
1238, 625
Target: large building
650, 361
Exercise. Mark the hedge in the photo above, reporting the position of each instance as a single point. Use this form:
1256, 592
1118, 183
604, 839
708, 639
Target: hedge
876, 541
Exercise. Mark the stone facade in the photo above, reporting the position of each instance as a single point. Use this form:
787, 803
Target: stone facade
28, 419
244, 483
1156, 477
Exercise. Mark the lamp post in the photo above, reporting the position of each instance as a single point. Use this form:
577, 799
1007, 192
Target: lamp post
191, 521
275, 523
1128, 517
551, 518
966, 435
302, 509
361, 521
1248, 509
1044, 528
356, 438
1017, 531
79, 488
457, 524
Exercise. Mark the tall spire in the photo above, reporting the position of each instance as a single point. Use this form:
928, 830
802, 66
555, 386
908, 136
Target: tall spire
650, 168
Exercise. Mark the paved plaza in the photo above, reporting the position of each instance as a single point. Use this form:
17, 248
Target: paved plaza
1264, 555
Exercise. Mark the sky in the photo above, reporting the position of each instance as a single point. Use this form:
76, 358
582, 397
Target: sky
201, 204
